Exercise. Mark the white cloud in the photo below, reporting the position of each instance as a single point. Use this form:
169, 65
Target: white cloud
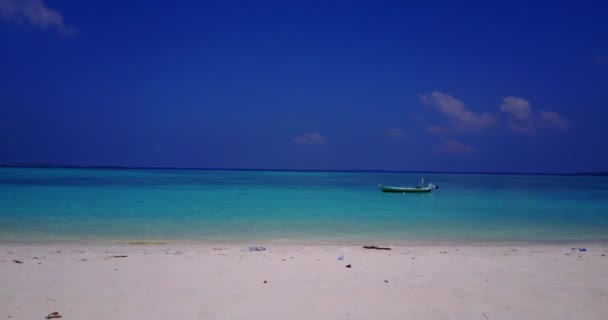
456, 147
310, 138
553, 120
461, 118
518, 107
34, 12
520, 115
522, 118
395, 133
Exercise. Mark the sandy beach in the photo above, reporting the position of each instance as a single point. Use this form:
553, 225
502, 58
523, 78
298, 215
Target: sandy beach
165, 281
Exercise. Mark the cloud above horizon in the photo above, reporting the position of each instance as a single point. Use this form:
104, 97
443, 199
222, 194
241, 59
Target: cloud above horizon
310, 138
35, 13
549, 119
460, 118
523, 120
456, 147
395, 133
520, 117
519, 113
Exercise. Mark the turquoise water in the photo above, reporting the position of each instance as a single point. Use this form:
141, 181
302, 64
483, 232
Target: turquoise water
205, 205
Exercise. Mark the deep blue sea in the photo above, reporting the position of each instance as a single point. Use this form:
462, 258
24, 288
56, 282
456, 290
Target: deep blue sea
54, 204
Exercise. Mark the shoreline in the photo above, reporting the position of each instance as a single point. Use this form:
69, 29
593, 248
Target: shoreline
309, 242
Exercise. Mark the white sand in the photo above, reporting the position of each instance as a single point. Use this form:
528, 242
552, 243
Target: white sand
304, 282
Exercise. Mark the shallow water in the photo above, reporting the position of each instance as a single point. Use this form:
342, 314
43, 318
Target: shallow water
52, 204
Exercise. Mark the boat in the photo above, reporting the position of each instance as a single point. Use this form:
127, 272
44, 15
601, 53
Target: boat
417, 189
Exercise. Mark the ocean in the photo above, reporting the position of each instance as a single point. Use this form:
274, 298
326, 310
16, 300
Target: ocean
97, 205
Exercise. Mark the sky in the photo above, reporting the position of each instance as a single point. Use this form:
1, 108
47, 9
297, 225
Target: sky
336, 85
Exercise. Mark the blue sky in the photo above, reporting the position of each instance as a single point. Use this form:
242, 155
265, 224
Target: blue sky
443, 86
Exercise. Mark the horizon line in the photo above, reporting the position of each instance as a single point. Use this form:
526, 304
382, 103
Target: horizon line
68, 166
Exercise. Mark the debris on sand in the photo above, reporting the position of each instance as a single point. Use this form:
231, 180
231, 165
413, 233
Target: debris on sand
348, 266
376, 248
17, 261
386, 281
257, 248
175, 252
53, 315
265, 281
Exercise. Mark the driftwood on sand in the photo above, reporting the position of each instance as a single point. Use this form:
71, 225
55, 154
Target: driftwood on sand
377, 248
53, 315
